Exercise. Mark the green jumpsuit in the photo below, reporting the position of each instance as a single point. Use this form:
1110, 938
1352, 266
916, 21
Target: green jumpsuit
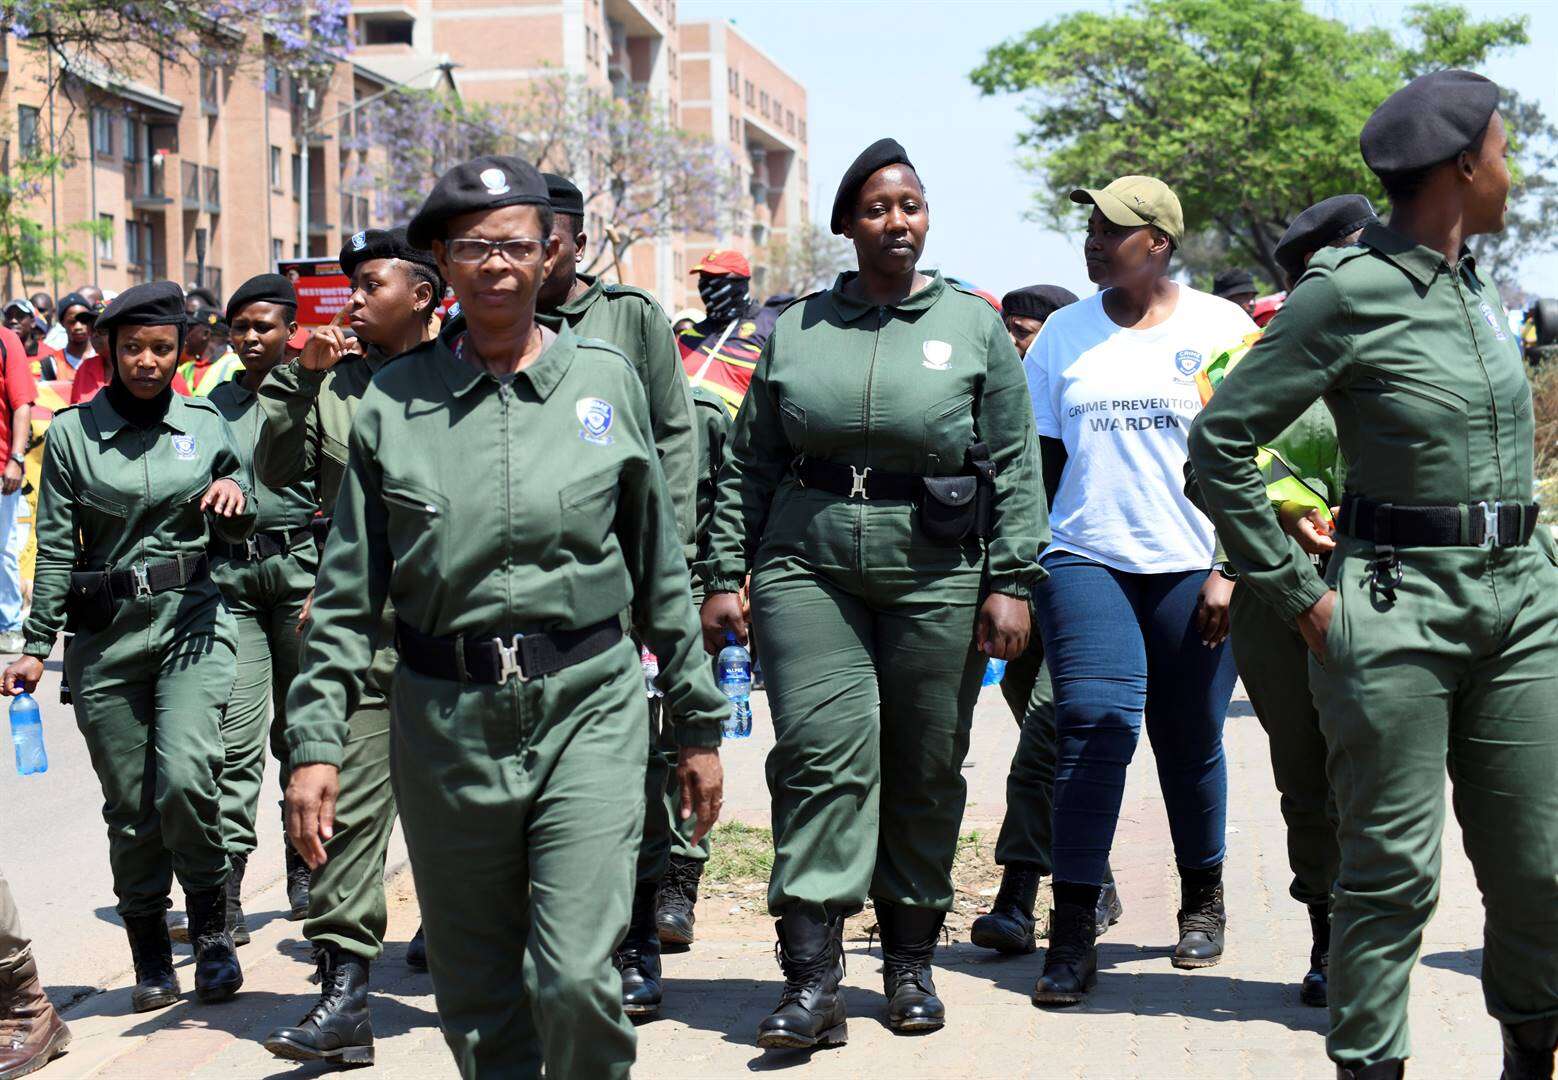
150, 686
308, 421
484, 507
867, 624
265, 597
1457, 662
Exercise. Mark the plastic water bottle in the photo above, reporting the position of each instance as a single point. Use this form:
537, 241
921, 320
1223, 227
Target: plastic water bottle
733, 672
995, 670
27, 735
651, 665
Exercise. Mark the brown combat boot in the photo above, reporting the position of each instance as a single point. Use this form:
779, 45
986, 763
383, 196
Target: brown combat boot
31, 1032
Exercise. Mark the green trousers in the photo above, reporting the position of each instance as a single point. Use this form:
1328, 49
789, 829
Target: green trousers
665, 833
1457, 665
872, 687
1273, 663
149, 702
265, 599
1028, 827
15, 947
523, 808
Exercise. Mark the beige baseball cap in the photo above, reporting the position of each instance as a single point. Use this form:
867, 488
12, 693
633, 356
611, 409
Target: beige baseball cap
1138, 200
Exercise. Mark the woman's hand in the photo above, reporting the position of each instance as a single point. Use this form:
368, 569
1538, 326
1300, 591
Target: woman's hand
1308, 526
702, 777
11, 483
223, 497
1003, 627
1211, 616
22, 674
721, 615
310, 810
1315, 623
327, 346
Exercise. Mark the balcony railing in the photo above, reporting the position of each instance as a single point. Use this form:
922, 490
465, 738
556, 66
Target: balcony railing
191, 187
213, 191
143, 185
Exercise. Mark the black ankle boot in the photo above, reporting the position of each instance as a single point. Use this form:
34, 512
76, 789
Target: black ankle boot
299, 877
1529, 1049
1201, 917
234, 900
1314, 988
1109, 907
1071, 961
416, 951
908, 942
638, 958
676, 899
338, 1027
1394, 1069
156, 986
811, 1010
1008, 928
217, 972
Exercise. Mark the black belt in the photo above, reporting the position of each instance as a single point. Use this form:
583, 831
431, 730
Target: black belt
261, 545
1480, 524
852, 483
495, 658
319, 525
157, 576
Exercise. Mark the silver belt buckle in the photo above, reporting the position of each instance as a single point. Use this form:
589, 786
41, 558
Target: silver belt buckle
142, 582
858, 482
252, 545
1490, 514
508, 660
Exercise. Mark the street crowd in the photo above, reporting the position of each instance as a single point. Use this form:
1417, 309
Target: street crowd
423, 555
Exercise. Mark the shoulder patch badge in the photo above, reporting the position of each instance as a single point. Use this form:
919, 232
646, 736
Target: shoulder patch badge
184, 447
938, 355
1494, 322
595, 420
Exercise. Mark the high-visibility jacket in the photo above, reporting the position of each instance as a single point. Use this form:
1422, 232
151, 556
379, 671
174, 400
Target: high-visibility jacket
209, 377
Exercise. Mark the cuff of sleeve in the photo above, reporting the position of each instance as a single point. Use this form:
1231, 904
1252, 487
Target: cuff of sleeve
1007, 585
694, 735
40, 649
1293, 604
316, 753
721, 584
308, 379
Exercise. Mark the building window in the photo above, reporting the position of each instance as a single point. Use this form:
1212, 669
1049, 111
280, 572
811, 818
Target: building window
734, 80
277, 253
384, 30
102, 133
763, 107
27, 130
803, 129
272, 79
751, 93
137, 246
362, 212
275, 168
105, 239
210, 88
789, 121
297, 177
735, 130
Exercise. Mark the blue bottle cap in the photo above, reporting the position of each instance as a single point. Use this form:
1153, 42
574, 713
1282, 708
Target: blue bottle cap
730, 638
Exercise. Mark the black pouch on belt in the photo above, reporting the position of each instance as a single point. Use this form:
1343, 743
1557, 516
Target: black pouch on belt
90, 604
949, 507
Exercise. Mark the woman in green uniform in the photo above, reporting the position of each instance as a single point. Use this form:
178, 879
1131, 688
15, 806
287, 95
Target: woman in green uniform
134, 486
882, 490
265, 580
1434, 630
503, 490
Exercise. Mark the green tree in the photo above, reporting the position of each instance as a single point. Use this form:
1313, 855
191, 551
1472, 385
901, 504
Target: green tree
1249, 109
30, 251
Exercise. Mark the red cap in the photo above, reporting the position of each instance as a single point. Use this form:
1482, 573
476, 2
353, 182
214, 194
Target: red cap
299, 338
724, 261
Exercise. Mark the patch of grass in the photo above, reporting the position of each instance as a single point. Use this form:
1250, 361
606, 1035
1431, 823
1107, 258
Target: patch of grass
739, 854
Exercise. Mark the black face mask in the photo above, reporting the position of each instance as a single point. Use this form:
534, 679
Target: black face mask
723, 297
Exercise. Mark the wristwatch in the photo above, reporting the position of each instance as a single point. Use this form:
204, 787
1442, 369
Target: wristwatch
19, 460
1227, 570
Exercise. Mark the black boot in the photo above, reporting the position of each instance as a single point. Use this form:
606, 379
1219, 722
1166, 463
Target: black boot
908, 942
338, 1027
811, 1009
638, 958
234, 898
298, 878
1008, 928
1201, 917
156, 986
1071, 961
1529, 1049
1313, 990
416, 951
217, 973
1109, 907
675, 901
1394, 1069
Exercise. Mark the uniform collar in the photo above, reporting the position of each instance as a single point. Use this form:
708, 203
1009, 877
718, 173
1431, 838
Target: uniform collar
849, 308
1421, 264
109, 422
578, 305
543, 374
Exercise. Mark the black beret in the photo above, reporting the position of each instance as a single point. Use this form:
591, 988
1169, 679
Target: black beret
878, 155
1037, 301
207, 317
70, 300
566, 199
1321, 225
157, 303
1429, 120
1233, 283
373, 244
262, 289
485, 183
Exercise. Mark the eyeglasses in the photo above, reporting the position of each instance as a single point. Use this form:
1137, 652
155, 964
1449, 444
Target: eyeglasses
473, 252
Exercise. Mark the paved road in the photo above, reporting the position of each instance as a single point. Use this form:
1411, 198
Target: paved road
1146, 1020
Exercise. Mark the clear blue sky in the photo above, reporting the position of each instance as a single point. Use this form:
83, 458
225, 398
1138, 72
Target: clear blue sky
964, 145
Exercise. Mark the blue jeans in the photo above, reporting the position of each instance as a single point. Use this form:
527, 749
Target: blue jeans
10, 565
1119, 645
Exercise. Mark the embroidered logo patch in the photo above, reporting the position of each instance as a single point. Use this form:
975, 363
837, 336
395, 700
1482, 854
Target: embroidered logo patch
938, 355
360, 241
495, 181
1494, 322
184, 447
1188, 361
595, 418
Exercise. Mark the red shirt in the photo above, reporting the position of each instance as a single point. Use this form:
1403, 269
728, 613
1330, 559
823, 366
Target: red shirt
17, 387
91, 377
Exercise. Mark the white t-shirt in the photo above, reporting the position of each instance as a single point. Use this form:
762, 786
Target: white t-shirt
1122, 401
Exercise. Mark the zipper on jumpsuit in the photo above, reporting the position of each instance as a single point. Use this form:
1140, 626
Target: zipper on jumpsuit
860, 509
1492, 556
514, 687
146, 491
